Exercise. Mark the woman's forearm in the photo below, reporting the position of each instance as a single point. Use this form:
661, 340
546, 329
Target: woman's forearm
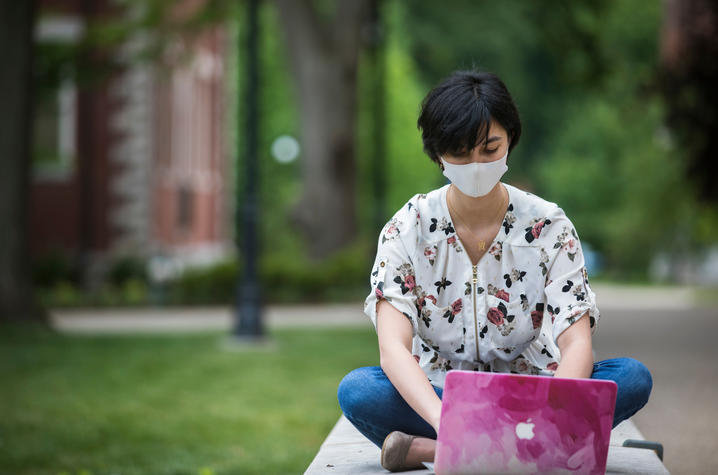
408, 378
576, 360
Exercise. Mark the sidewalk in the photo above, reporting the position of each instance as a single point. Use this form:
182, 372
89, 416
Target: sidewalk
190, 319
221, 318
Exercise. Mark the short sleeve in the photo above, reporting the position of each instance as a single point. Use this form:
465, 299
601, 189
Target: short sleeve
392, 276
567, 292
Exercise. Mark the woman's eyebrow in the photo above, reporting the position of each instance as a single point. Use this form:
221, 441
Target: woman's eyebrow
491, 139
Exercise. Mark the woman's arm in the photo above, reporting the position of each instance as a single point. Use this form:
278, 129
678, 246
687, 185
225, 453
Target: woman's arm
395, 339
576, 350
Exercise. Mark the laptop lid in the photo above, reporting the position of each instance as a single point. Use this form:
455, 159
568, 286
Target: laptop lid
516, 423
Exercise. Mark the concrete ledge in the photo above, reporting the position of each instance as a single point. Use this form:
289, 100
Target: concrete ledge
347, 451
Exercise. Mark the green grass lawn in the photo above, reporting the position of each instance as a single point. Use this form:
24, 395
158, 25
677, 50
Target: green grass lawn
171, 404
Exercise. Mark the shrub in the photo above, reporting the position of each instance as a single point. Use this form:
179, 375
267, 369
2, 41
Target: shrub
51, 269
127, 268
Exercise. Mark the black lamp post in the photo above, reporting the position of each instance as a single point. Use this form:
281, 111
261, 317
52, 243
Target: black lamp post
248, 317
376, 39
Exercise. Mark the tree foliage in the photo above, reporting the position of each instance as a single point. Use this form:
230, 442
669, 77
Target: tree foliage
584, 76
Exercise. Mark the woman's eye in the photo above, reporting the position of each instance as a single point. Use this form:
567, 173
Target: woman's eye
492, 151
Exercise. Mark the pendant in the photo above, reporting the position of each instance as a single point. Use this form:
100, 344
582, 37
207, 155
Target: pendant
482, 246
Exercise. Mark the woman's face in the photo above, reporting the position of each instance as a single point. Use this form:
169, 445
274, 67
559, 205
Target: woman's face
494, 148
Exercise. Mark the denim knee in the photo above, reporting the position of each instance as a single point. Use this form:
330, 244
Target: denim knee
640, 380
349, 391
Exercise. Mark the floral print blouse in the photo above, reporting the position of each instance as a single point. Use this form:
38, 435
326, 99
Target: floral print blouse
503, 314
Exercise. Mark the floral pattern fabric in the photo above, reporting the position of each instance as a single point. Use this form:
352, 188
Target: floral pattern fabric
503, 314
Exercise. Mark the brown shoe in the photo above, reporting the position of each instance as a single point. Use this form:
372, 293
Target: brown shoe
394, 450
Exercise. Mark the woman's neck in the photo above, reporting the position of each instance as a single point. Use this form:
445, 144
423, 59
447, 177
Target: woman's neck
481, 211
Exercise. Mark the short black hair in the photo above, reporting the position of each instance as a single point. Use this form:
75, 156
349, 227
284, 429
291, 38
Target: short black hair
459, 110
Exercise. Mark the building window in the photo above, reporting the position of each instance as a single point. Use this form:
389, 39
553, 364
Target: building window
55, 114
184, 207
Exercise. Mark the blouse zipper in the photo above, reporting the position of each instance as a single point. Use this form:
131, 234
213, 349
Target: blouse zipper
476, 323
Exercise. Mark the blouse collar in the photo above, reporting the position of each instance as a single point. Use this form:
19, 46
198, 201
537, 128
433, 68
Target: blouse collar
447, 225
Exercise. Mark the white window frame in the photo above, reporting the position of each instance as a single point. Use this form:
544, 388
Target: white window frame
61, 29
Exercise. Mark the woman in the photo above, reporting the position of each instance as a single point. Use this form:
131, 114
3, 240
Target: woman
476, 275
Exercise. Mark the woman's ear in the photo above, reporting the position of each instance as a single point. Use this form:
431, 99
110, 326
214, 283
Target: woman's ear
441, 166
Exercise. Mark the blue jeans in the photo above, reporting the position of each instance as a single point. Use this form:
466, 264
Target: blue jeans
374, 406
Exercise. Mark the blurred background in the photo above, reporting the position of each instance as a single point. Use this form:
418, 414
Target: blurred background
154, 149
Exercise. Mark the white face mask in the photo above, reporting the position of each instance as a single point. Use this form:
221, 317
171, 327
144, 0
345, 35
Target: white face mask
475, 179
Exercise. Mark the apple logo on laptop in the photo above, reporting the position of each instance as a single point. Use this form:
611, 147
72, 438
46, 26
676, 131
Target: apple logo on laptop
525, 430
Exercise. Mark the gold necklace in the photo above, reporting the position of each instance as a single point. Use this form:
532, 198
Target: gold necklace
482, 243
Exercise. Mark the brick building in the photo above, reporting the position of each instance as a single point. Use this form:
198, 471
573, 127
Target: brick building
133, 164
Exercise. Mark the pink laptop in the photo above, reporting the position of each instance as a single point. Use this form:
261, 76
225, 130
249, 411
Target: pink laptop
515, 423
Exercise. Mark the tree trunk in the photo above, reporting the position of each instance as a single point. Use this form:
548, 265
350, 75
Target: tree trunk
16, 293
689, 47
324, 62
